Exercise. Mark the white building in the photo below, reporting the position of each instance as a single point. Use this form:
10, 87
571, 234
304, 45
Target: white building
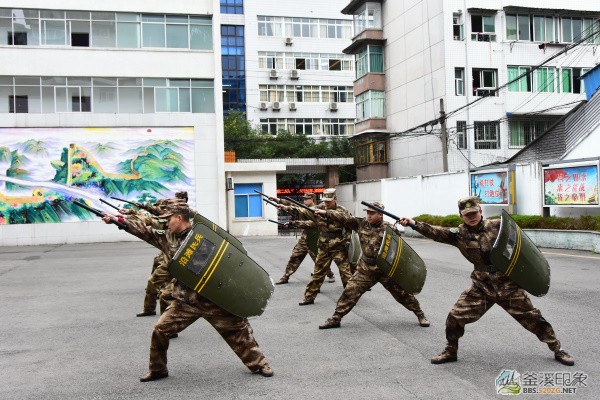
459, 51
138, 73
296, 76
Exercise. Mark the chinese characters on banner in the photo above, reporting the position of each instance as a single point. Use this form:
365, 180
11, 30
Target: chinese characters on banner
490, 187
571, 185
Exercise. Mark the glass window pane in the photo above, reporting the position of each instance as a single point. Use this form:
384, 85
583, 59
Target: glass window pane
203, 101
255, 205
488, 24
128, 35
103, 81
241, 206
566, 30
511, 27
130, 81
523, 27
61, 99
155, 82
32, 94
148, 93
104, 34
105, 100
154, 35
129, 17
130, 100
54, 32
177, 36
201, 37
184, 100
166, 100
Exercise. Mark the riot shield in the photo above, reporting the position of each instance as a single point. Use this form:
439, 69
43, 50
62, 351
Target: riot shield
354, 249
313, 240
401, 263
220, 231
210, 265
519, 258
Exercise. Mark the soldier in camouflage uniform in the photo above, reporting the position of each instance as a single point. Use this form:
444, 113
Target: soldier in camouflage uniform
301, 248
188, 305
475, 239
333, 244
371, 231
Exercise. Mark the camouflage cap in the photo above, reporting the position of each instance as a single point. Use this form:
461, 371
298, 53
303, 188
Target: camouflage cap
309, 196
376, 204
468, 204
175, 208
181, 195
329, 194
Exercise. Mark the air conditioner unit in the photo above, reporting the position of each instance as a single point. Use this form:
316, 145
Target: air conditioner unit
262, 105
276, 106
289, 41
333, 106
292, 106
273, 74
294, 74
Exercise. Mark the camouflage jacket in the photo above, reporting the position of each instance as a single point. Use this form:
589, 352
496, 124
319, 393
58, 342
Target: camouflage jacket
168, 243
332, 234
476, 245
146, 218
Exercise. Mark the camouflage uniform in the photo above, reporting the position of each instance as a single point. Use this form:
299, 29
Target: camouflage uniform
488, 287
368, 273
332, 246
188, 306
299, 252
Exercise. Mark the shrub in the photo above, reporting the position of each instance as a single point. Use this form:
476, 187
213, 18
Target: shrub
583, 223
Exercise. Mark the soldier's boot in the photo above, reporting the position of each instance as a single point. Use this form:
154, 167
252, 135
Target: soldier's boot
145, 313
153, 376
306, 302
265, 371
423, 321
282, 281
448, 355
330, 323
330, 276
564, 358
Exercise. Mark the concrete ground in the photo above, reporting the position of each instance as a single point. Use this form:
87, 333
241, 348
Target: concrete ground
68, 331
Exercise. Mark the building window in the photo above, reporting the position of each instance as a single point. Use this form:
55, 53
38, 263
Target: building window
232, 6
369, 60
459, 81
483, 28
370, 104
337, 94
521, 85
485, 82
368, 16
546, 79
371, 152
335, 28
18, 104
248, 203
521, 133
461, 134
543, 29
571, 82
487, 135
458, 26
233, 67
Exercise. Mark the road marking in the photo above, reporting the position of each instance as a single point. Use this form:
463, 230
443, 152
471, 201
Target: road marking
571, 255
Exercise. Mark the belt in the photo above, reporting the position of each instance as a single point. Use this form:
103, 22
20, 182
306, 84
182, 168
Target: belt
486, 268
332, 234
369, 260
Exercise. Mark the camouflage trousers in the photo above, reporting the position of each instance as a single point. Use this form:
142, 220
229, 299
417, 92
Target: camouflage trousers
179, 315
157, 281
365, 277
299, 253
474, 302
322, 263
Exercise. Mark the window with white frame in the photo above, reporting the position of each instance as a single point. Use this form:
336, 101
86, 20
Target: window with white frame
458, 26
371, 152
483, 28
370, 104
301, 27
571, 82
248, 203
521, 85
459, 81
270, 26
523, 132
271, 92
369, 60
487, 135
336, 127
485, 82
546, 80
367, 16
272, 125
335, 28
461, 134
337, 94
270, 60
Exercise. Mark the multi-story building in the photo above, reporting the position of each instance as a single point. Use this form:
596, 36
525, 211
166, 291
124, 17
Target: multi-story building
283, 65
116, 97
460, 55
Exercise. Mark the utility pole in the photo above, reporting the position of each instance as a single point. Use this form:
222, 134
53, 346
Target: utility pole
444, 136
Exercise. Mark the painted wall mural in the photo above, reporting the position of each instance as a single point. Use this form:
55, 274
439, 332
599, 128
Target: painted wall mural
43, 169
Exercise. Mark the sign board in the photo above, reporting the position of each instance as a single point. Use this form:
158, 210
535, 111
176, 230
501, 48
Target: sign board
571, 185
492, 187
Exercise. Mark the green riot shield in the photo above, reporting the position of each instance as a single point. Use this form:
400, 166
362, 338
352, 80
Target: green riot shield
313, 240
220, 231
354, 249
210, 265
401, 263
519, 258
